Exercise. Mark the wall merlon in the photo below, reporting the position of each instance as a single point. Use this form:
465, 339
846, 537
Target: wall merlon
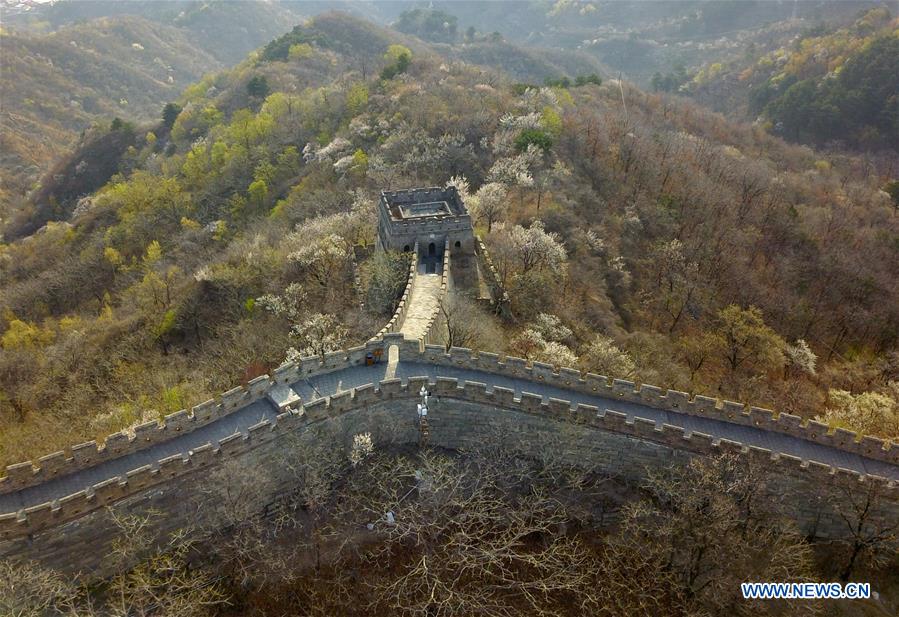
729, 446
596, 383
733, 411
571, 377
760, 453
760, 417
286, 373
487, 361
171, 466
52, 464
232, 444
316, 410
178, 421
673, 434
846, 475
20, 474
704, 404
233, 398
260, 428
139, 478
531, 402
40, 516
292, 419
503, 396
646, 428
364, 393
259, 386
622, 387
678, 400
584, 413
85, 454
652, 395
614, 420
816, 467
461, 356
202, 456
542, 371
415, 384
341, 402
116, 444
841, 437
559, 408
390, 388
475, 391
700, 442
205, 412
446, 385
148, 432
790, 424
872, 446
516, 366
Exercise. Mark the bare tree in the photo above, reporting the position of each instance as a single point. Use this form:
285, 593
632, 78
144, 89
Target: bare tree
469, 543
464, 325
30, 590
869, 534
699, 534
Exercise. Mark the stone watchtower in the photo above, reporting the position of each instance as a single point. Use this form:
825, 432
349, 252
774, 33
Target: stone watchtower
430, 216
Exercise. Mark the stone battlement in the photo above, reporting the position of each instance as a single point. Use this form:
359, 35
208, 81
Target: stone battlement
428, 216
72, 506
68, 507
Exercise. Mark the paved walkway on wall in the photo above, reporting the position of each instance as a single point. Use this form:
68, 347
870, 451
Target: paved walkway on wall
346, 379
423, 305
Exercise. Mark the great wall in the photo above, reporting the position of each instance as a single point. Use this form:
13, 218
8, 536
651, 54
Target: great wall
54, 509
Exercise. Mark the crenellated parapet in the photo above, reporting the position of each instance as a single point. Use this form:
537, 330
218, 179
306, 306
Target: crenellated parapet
443, 389
483, 388
84, 455
436, 321
659, 398
491, 275
396, 320
140, 437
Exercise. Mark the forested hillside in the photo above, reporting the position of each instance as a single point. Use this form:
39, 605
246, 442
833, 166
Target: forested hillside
54, 86
827, 85
637, 235
70, 64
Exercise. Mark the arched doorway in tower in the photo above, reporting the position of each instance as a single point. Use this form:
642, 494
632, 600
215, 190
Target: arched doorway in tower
432, 250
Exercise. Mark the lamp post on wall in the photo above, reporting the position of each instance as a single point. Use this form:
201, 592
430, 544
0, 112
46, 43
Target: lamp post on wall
424, 433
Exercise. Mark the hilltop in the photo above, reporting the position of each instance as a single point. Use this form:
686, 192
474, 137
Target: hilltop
634, 234
827, 84
69, 65
673, 246
55, 86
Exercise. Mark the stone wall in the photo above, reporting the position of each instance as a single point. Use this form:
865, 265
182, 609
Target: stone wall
396, 320
434, 332
660, 398
491, 276
73, 506
463, 416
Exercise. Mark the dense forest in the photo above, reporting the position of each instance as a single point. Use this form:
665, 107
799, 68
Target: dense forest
637, 234
70, 64
827, 85
672, 246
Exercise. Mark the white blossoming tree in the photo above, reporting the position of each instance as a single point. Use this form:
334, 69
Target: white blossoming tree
322, 258
869, 413
604, 357
317, 335
489, 204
